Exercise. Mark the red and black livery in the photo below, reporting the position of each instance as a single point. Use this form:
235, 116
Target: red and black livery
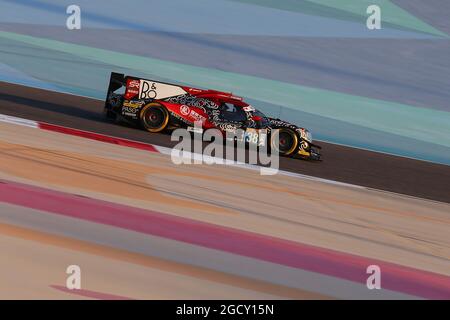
157, 106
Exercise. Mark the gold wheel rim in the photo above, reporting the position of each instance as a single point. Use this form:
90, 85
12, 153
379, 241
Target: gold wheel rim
294, 144
164, 111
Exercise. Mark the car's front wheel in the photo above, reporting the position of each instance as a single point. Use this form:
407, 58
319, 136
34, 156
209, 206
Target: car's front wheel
154, 117
284, 141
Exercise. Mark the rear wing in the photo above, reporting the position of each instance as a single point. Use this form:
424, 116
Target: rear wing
138, 88
146, 89
116, 81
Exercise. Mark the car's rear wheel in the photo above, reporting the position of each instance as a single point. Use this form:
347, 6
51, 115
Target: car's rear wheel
284, 141
154, 117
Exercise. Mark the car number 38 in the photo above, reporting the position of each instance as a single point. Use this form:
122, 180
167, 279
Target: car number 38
254, 136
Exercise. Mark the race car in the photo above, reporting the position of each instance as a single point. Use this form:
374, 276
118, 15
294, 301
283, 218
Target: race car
158, 106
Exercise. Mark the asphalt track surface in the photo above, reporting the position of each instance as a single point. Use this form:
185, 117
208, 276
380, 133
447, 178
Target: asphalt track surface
341, 163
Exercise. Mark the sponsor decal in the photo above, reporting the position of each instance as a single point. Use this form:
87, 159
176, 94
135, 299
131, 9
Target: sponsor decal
184, 110
158, 90
196, 116
192, 114
132, 88
133, 84
148, 90
131, 108
133, 104
131, 112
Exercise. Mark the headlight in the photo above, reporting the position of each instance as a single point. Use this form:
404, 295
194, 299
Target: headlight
306, 135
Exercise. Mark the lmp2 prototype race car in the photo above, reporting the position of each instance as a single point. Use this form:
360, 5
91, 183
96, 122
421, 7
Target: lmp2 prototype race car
157, 106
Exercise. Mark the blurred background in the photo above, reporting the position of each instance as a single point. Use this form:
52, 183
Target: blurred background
312, 62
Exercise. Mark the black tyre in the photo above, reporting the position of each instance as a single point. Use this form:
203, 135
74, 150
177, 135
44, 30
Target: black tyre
154, 117
287, 141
